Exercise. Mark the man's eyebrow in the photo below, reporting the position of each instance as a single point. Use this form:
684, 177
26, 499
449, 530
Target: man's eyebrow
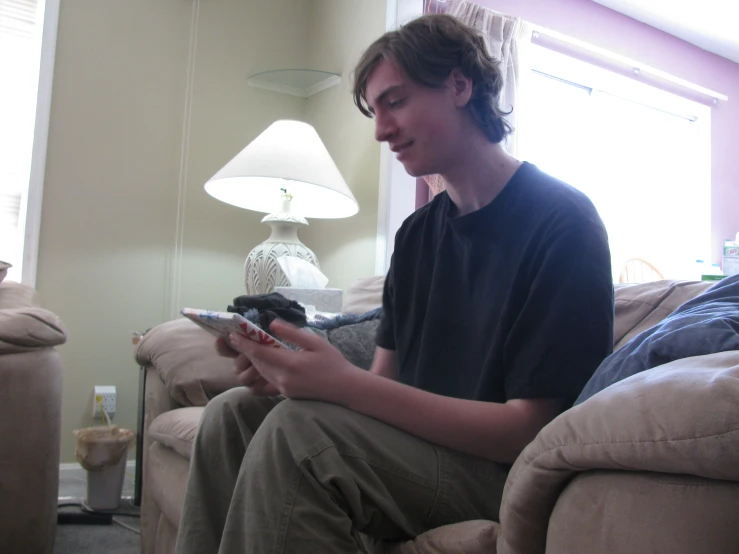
383, 95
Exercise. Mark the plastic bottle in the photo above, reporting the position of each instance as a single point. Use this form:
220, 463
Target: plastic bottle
730, 262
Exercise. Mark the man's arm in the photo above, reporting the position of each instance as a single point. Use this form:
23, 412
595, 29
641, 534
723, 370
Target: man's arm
497, 432
500, 431
385, 363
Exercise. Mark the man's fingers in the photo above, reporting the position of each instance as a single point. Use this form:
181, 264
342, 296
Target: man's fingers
224, 348
260, 353
242, 363
299, 337
249, 376
262, 387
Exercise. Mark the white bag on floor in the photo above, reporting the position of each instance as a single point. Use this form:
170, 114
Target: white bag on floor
101, 447
102, 452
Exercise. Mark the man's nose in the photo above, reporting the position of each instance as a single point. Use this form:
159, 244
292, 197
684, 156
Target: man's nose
385, 128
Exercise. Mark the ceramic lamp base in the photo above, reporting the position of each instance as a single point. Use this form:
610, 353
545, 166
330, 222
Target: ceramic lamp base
262, 272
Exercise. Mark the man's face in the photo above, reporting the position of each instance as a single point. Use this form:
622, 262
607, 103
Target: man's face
420, 124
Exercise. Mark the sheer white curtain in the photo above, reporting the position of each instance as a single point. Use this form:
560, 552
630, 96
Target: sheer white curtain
506, 38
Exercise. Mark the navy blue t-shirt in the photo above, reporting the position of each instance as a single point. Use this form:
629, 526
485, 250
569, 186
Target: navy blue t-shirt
514, 300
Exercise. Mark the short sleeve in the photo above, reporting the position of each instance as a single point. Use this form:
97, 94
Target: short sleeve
565, 328
385, 337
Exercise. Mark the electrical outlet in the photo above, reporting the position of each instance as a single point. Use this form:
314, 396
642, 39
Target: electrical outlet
107, 394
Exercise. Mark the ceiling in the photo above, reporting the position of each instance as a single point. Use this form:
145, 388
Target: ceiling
709, 24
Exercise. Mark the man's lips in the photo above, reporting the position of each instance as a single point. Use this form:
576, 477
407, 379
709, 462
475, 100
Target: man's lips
398, 148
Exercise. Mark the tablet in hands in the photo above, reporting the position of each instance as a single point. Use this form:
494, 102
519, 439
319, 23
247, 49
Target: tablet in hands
221, 324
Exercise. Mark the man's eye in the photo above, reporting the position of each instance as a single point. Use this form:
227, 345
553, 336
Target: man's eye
395, 103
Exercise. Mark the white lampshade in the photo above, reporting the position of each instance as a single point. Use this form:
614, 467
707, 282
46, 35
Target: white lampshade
290, 155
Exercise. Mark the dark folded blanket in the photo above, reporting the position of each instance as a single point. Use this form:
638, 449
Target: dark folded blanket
269, 307
352, 334
706, 324
328, 323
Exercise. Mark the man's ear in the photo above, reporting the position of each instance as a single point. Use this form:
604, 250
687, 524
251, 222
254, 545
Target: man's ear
460, 86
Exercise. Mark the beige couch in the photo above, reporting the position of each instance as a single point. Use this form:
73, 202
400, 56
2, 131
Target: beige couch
651, 464
30, 421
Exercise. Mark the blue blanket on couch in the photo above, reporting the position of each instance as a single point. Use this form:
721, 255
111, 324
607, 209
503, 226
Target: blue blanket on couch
706, 324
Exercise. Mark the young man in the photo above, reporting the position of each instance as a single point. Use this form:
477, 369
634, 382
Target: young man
498, 307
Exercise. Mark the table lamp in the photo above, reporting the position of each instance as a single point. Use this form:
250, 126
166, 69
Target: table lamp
287, 173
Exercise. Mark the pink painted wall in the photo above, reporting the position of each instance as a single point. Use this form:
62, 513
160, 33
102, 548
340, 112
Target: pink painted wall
596, 24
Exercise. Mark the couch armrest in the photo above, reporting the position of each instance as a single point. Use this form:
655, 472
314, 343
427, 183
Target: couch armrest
185, 358
16, 295
29, 329
680, 418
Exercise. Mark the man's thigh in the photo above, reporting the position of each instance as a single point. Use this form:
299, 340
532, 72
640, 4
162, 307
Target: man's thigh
404, 485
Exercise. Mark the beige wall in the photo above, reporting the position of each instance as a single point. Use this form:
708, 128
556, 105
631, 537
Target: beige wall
339, 31
121, 165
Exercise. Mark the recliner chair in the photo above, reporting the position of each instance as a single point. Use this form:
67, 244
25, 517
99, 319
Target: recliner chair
30, 421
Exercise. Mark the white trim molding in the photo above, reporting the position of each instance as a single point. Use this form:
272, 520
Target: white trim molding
397, 189
541, 34
31, 212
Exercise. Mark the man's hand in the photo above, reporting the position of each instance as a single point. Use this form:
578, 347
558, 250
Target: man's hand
246, 374
318, 371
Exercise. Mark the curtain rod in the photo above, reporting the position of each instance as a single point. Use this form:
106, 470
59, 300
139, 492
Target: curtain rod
636, 66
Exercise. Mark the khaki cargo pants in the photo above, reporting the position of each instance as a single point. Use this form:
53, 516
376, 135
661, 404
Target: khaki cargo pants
271, 475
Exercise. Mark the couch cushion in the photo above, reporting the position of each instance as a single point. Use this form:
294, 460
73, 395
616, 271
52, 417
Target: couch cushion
364, 295
176, 429
706, 324
165, 485
639, 307
646, 512
680, 418
187, 362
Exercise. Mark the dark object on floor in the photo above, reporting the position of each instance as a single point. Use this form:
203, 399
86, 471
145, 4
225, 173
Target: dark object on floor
84, 518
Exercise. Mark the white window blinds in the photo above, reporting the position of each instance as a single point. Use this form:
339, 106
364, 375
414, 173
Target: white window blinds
19, 66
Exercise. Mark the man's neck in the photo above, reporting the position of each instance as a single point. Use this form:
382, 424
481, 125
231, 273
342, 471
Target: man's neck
483, 171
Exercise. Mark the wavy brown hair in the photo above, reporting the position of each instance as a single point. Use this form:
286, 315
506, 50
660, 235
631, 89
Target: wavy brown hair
428, 49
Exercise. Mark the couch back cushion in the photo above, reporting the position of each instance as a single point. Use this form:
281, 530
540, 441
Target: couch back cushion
364, 295
639, 307
187, 362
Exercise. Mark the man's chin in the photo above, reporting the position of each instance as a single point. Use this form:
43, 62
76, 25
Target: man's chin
415, 171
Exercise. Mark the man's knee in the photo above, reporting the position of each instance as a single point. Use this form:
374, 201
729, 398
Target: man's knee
224, 404
304, 428
229, 411
302, 414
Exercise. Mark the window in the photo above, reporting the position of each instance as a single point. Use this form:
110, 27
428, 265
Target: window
20, 42
642, 155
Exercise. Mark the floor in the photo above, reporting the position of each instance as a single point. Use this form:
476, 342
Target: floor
120, 537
